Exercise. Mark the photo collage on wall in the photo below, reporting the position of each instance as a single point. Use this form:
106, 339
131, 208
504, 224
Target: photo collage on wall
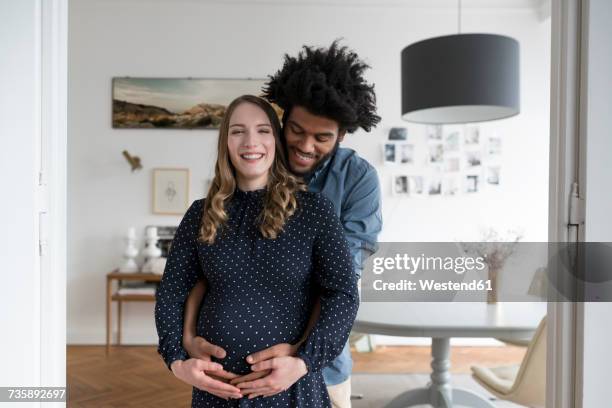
450, 160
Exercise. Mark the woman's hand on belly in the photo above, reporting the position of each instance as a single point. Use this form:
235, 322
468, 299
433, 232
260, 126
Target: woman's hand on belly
194, 372
284, 372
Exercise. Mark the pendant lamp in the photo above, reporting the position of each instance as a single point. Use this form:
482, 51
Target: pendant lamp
460, 78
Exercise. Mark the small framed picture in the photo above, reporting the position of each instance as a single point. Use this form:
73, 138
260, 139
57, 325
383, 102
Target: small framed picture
493, 175
390, 152
450, 186
406, 153
166, 235
473, 158
434, 133
398, 133
452, 139
471, 183
436, 153
494, 147
408, 185
472, 135
170, 191
435, 185
451, 164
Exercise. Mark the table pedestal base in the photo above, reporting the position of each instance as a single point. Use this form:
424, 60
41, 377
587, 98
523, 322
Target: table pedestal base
439, 393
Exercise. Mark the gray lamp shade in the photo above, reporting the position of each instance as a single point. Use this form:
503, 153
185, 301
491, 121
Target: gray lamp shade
460, 78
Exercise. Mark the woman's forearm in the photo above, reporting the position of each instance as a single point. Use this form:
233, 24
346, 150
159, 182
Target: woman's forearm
192, 309
334, 273
183, 268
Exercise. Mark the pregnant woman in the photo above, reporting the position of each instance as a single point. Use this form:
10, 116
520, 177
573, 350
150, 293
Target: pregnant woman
267, 250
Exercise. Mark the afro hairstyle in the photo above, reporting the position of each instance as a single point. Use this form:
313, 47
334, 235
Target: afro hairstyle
328, 82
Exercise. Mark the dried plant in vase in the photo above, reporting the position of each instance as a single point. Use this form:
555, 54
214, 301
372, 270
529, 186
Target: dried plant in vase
495, 250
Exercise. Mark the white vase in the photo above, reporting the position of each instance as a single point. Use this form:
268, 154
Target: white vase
131, 252
151, 252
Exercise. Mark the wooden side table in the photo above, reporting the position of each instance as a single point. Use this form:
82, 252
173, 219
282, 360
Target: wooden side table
111, 296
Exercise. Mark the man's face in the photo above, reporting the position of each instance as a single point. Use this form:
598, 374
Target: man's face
309, 139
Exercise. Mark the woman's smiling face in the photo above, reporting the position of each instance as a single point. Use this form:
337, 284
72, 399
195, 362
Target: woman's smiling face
251, 146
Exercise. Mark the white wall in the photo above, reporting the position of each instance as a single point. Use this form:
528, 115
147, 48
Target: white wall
598, 228
20, 127
209, 39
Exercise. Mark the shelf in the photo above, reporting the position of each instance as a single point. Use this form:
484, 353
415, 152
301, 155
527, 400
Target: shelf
148, 277
134, 297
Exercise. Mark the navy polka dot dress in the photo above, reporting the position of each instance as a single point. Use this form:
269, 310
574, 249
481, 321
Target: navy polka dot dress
261, 291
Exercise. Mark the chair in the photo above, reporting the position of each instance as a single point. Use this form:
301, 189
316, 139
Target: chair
524, 384
515, 342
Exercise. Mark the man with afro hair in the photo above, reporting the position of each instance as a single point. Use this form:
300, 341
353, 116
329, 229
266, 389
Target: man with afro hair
324, 96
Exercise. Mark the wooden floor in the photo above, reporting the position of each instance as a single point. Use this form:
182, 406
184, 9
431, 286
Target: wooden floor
409, 359
135, 376
128, 377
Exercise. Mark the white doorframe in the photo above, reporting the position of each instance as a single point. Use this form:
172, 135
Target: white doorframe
53, 192
564, 384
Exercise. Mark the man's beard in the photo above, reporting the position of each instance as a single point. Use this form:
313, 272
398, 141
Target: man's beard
308, 174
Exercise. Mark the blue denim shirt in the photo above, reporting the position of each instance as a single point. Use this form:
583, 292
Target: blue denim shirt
351, 183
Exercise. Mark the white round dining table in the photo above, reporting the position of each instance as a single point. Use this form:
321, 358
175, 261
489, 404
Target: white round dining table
441, 322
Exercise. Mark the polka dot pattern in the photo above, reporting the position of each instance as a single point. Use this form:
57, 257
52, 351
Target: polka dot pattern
261, 291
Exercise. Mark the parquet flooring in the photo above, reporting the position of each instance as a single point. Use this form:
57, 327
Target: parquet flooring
135, 376
131, 376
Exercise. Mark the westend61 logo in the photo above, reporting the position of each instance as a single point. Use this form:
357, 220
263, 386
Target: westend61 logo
414, 264
477, 271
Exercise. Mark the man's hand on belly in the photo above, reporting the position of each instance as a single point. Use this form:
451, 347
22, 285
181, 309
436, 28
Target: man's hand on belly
199, 347
279, 350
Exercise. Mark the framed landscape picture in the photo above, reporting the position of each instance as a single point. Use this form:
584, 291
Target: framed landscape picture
170, 191
176, 103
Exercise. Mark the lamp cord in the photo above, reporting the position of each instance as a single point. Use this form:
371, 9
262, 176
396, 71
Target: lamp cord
459, 17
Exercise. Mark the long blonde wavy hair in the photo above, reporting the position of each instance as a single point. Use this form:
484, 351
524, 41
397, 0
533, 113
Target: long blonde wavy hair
280, 201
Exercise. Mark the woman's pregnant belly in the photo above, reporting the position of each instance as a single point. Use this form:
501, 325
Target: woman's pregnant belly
244, 326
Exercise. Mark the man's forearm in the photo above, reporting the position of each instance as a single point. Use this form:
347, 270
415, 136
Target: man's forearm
316, 311
192, 309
